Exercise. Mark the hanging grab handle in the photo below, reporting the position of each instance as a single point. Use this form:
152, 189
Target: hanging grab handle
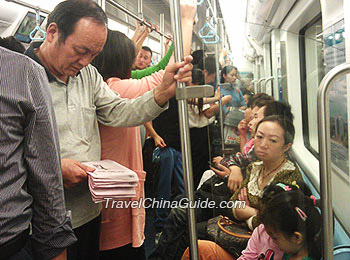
215, 41
37, 28
210, 34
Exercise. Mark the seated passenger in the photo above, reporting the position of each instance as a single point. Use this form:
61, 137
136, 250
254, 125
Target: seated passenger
122, 230
241, 160
294, 223
274, 137
261, 245
232, 164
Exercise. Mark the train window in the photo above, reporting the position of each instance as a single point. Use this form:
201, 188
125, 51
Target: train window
26, 27
322, 50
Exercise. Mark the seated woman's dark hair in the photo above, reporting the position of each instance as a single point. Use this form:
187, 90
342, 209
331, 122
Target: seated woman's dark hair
117, 57
198, 78
285, 123
280, 207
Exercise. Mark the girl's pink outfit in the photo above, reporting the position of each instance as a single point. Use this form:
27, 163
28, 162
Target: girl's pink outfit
260, 246
123, 226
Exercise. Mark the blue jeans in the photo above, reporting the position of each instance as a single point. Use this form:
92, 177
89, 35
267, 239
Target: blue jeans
170, 168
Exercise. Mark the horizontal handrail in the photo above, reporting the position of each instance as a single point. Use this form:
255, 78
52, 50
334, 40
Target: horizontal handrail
29, 6
128, 12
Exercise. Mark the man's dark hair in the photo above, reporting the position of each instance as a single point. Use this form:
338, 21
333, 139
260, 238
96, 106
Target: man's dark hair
261, 98
117, 56
147, 49
198, 56
279, 108
12, 44
68, 13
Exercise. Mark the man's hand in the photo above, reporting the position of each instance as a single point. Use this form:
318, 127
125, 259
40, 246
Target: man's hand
73, 172
166, 89
235, 179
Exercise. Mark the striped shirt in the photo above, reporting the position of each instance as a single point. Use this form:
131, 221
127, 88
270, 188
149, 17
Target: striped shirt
30, 171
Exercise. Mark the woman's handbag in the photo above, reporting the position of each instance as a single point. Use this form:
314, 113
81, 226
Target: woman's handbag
231, 236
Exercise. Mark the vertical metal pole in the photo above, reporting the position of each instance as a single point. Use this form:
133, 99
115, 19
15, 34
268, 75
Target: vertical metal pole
218, 79
325, 156
161, 22
184, 130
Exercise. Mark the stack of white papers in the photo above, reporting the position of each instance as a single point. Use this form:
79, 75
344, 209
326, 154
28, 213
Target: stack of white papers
111, 180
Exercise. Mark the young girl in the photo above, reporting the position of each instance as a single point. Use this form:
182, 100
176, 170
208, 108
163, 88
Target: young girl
267, 244
293, 222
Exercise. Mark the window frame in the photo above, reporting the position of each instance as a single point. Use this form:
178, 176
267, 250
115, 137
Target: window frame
304, 102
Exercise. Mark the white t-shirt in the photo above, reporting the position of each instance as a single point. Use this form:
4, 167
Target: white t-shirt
196, 120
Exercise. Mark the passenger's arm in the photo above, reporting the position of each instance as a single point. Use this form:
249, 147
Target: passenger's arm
235, 179
51, 227
251, 252
188, 13
215, 107
239, 159
158, 141
139, 74
246, 212
242, 128
140, 36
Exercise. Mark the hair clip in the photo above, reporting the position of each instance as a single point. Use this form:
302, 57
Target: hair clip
283, 186
313, 199
301, 213
261, 256
294, 183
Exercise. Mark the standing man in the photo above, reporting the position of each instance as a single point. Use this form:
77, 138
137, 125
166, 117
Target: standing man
30, 168
143, 58
76, 32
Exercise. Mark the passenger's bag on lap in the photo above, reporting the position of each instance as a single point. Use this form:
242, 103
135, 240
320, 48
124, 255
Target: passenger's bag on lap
231, 236
231, 133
